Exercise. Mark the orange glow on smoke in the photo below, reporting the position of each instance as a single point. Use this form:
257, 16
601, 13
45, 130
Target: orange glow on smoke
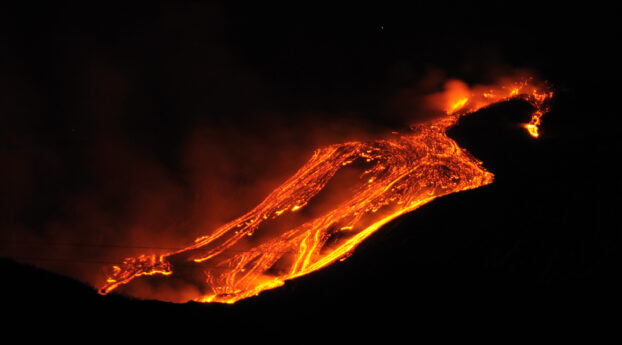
456, 94
285, 236
459, 98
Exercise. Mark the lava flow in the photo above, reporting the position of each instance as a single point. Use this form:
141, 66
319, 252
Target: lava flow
288, 235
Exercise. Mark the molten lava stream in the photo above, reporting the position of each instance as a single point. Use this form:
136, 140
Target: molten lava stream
298, 229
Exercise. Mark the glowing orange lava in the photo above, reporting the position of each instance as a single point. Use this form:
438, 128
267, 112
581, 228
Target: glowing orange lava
397, 175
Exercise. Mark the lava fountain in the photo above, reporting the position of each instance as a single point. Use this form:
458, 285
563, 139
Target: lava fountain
293, 232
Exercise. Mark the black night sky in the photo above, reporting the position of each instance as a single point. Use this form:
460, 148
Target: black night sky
118, 116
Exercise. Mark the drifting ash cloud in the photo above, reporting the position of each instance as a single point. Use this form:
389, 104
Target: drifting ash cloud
119, 148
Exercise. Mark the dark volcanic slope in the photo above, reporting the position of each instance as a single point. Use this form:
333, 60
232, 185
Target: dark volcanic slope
524, 243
